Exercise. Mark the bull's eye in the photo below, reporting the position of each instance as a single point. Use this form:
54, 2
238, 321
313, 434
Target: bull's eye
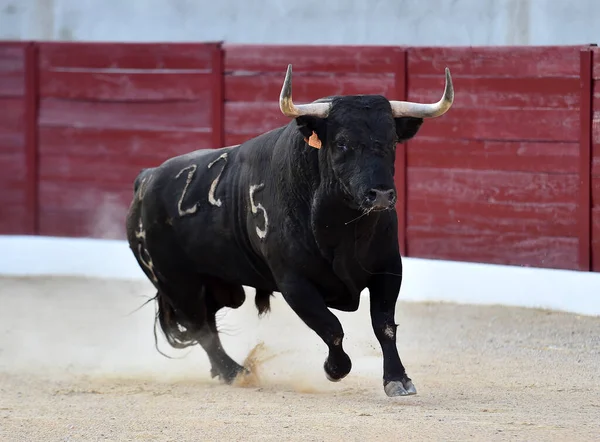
342, 147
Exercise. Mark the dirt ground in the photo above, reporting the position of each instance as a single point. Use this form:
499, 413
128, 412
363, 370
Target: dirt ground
77, 362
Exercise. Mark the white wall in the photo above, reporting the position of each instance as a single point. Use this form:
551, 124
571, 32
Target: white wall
423, 280
398, 22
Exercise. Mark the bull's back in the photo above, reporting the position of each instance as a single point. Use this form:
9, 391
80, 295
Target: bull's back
193, 202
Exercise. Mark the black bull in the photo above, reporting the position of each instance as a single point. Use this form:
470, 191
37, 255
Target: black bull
306, 210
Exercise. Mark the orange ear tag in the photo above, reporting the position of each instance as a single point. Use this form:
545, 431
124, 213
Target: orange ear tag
313, 141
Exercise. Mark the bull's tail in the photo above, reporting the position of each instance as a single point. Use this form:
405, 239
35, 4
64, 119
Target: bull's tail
262, 300
175, 332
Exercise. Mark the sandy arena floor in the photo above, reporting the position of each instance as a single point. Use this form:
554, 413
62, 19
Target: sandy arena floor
77, 363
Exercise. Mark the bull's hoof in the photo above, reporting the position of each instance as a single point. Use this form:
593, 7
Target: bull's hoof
229, 375
400, 388
338, 372
332, 379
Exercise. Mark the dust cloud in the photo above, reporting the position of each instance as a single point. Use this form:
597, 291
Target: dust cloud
101, 329
107, 218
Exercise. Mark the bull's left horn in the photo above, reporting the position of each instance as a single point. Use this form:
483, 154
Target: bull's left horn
289, 109
420, 110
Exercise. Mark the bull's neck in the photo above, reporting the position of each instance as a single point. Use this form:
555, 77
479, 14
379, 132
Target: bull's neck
298, 165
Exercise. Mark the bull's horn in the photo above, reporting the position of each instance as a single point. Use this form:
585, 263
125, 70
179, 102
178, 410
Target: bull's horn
420, 110
289, 109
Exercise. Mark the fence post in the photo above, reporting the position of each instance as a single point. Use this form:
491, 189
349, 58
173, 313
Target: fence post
401, 93
31, 137
218, 96
585, 159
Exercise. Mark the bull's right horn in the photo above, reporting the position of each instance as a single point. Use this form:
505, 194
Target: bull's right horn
420, 110
289, 109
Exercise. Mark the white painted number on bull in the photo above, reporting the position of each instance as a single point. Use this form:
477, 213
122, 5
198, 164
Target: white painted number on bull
262, 233
142, 250
191, 171
213, 186
143, 186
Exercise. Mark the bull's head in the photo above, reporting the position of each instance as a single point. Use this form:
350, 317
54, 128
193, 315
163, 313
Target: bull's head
358, 135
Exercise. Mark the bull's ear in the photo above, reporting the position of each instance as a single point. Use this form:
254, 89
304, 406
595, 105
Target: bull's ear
407, 127
311, 127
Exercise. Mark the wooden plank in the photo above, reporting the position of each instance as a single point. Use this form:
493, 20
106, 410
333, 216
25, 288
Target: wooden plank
494, 155
12, 194
12, 84
64, 223
596, 256
11, 220
467, 217
103, 170
560, 125
113, 56
596, 63
596, 125
11, 142
140, 116
30, 124
12, 111
596, 92
218, 98
585, 160
595, 191
596, 159
401, 164
11, 197
266, 87
129, 143
550, 92
307, 58
505, 124
596, 119
12, 165
508, 249
73, 223
12, 161
596, 239
123, 86
57, 195
492, 187
253, 118
507, 61
12, 57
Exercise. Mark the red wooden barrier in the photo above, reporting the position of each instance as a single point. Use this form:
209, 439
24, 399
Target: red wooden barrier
595, 166
17, 142
510, 175
108, 110
496, 179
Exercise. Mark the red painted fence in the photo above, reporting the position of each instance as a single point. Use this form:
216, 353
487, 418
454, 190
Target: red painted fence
510, 175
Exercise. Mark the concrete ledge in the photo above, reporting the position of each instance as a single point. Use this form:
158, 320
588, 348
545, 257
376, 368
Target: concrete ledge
424, 279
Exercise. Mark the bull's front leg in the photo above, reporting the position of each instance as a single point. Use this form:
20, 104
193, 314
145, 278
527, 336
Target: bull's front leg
383, 294
306, 301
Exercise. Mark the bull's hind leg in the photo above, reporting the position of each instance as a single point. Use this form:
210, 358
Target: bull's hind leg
187, 316
219, 295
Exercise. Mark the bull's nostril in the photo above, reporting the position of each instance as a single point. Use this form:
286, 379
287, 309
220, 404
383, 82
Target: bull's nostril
381, 198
